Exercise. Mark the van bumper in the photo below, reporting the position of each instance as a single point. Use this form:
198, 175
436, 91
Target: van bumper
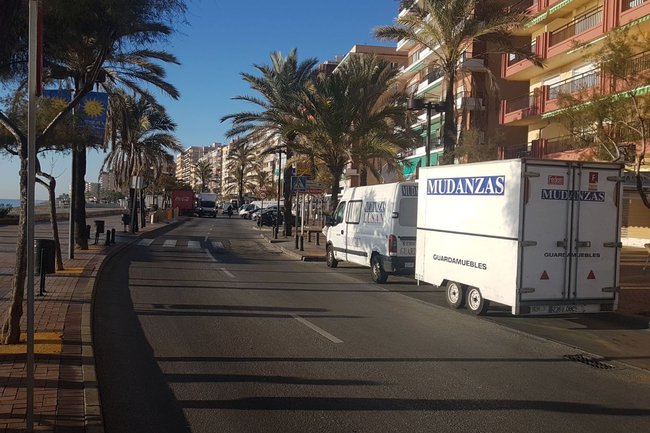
398, 265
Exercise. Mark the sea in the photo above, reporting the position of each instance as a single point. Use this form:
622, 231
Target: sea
4, 202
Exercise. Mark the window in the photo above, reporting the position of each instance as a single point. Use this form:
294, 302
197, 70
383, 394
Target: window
340, 211
354, 212
408, 212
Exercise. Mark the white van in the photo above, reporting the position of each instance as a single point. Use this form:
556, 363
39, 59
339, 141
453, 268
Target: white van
375, 226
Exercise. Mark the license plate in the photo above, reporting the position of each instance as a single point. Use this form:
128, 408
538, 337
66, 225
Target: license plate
554, 309
409, 265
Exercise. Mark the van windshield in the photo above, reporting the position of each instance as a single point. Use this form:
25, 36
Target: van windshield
408, 212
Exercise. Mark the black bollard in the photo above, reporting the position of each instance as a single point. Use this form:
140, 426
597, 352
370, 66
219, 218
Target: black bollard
302, 243
108, 237
113, 236
317, 238
296, 238
88, 231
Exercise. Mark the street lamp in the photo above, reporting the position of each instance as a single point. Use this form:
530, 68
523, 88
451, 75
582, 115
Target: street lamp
417, 104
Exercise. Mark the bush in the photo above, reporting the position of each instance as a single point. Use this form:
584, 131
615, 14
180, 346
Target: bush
4, 211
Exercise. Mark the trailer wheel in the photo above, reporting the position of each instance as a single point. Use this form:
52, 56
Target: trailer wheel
455, 295
331, 261
378, 274
475, 301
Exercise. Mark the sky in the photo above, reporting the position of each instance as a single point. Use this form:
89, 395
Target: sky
220, 40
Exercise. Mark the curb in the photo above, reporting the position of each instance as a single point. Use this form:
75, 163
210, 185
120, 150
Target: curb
93, 419
293, 252
631, 320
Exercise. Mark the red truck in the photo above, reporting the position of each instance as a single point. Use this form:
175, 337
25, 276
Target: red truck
184, 201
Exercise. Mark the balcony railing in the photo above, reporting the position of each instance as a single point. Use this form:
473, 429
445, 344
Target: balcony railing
525, 102
517, 151
638, 63
516, 58
577, 26
431, 74
629, 4
580, 82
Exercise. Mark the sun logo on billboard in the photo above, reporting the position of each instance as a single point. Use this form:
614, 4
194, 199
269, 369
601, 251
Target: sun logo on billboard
58, 103
93, 108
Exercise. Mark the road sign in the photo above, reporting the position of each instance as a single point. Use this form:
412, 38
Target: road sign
313, 187
299, 183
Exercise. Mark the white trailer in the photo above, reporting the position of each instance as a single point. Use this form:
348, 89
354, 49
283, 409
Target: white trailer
542, 237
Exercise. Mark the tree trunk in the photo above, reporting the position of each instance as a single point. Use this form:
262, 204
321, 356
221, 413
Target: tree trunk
11, 325
51, 192
449, 139
288, 172
336, 173
81, 236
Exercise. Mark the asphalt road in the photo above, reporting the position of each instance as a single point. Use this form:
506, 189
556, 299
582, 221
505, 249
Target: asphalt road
206, 328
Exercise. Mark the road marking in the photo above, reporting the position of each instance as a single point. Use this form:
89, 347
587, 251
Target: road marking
217, 245
193, 244
146, 242
313, 327
227, 272
169, 243
211, 256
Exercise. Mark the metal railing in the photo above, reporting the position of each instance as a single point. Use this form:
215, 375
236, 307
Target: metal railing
516, 58
629, 4
521, 103
585, 22
517, 151
574, 84
431, 75
638, 63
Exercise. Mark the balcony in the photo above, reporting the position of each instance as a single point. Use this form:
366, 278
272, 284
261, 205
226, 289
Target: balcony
516, 67
579, 83
522, 110
515, 151
471, 101
582, 29
430, 84
631, 4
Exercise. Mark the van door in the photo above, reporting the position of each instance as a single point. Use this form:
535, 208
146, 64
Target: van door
337, 233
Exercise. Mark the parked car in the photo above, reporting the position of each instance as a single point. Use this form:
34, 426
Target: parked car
245, 210
268, 217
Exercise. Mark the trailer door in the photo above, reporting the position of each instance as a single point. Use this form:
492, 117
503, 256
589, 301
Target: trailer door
545, 264
595, 233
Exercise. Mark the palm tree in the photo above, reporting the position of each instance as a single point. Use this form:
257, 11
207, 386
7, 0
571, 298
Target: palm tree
240, 164
351, 115
203, 169
141, 139
449, 28
280, 86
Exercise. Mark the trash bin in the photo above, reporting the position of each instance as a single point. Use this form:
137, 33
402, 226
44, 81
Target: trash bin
99, 226
44, 254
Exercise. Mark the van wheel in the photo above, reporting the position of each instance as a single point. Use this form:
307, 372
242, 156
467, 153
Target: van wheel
475, 301
455, 295
378, 273
331, 261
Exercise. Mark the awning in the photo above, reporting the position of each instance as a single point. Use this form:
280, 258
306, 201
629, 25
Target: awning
410, 165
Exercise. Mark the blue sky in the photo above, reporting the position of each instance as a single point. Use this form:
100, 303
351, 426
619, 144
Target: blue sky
223, 39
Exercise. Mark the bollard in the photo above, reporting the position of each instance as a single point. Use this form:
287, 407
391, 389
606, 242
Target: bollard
309, 236
296, 240
108, 237
302, 243
113, 236
317, 238
88, 231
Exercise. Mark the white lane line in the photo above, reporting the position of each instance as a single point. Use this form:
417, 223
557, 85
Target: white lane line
227, 272
146, 242
313, 327
217, 245
193, 244
210, 256
169, 243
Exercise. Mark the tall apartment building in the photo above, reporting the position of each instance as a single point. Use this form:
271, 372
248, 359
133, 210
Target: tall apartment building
187, 160
214, 157
554, 29
107, 181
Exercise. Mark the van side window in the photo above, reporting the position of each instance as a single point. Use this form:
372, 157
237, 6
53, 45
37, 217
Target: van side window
354, 212
340, 210
408, 212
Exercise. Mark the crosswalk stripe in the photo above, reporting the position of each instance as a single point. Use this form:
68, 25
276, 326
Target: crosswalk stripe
146, 242
170, 243
217, 245
193, 244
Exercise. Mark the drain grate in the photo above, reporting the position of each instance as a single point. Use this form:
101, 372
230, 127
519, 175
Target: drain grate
590, 361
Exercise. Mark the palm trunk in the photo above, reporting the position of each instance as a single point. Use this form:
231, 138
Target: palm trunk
336, 173
363, 175
449, 142
81, 236
11, 325
288, 172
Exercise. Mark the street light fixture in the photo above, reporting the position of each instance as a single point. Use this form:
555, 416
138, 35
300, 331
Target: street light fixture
417, 104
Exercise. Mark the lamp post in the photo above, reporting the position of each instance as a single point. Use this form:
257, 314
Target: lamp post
417, 104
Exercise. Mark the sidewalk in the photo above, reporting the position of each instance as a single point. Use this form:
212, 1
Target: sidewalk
65, 396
